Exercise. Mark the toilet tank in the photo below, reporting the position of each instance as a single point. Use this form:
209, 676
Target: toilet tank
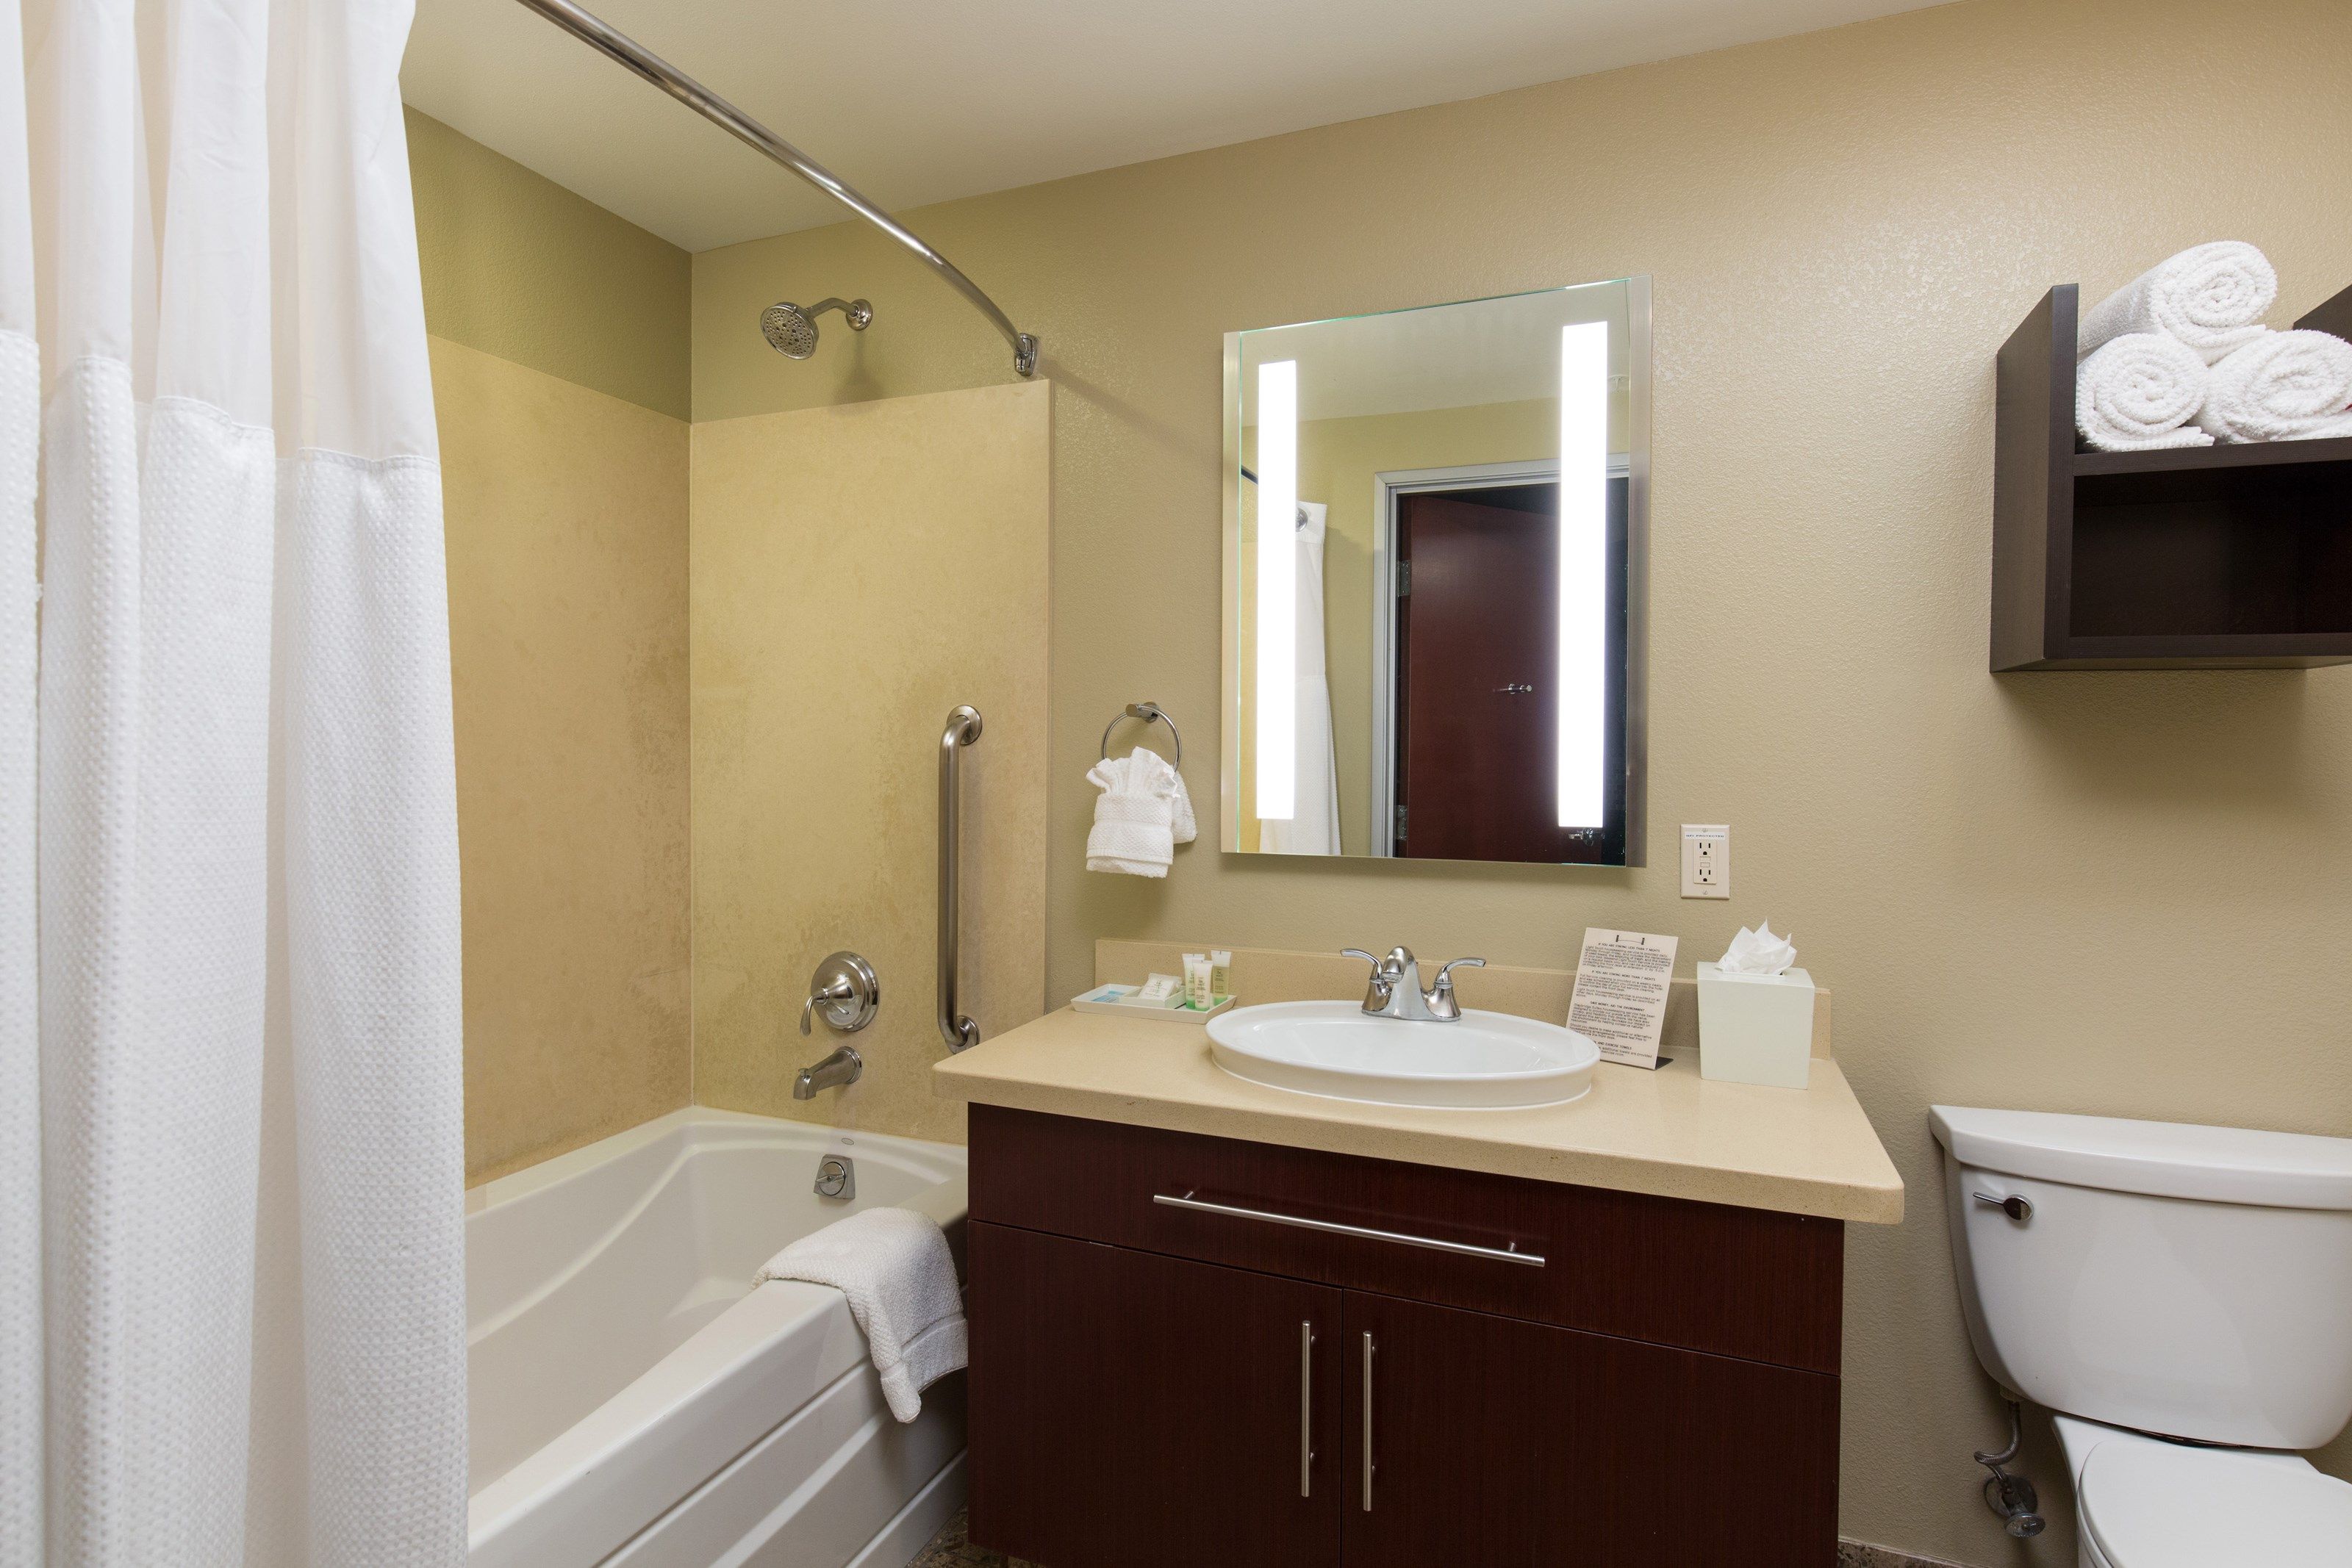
2193, 1281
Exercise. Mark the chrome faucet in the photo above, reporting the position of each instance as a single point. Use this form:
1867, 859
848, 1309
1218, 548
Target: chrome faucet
845, 993
1395, 991
843, 1066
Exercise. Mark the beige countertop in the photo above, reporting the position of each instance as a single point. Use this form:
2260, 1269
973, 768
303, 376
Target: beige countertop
1669, 1132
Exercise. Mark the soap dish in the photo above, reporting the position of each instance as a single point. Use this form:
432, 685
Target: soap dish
1116, 1000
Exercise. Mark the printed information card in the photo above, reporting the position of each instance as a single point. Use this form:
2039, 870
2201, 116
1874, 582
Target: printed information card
1620, 1003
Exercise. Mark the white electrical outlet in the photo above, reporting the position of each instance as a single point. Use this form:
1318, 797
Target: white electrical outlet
1706, 860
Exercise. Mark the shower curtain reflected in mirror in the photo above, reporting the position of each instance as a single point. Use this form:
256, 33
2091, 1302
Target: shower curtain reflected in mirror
231, 1179
1313, 827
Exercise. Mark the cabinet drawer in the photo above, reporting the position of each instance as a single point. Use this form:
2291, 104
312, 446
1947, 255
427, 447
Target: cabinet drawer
1734, 1282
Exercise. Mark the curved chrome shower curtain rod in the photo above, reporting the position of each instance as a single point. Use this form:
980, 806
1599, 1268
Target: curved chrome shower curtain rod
620, 46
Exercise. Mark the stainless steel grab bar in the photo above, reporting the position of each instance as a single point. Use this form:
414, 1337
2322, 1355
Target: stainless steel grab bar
963, 728
618, 45
1510, 1254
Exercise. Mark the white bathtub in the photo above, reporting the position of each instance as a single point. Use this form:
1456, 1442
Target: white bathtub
633, 1401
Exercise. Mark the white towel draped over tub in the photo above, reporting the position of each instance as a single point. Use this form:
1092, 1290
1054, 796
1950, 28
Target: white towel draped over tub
2211, 296
2284, 386
895, 1267
232, 1319
2139, 392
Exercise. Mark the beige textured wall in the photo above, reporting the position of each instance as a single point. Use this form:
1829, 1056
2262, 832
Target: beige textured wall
858, 572
566, 518
518, 266
2014, 883
559, 378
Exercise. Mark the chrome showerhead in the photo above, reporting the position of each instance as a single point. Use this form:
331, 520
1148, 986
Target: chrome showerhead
790, 329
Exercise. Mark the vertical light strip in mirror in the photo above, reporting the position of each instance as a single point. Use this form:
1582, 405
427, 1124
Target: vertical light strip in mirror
1583, 567
1277, 589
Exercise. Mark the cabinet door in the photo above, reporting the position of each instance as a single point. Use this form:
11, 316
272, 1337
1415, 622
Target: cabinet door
1134, 1411
1507, 1444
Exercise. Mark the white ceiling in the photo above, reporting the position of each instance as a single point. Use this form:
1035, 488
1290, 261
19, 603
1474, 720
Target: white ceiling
923, 101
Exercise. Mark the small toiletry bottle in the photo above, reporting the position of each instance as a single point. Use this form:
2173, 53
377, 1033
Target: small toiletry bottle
1220, 975
1196, 982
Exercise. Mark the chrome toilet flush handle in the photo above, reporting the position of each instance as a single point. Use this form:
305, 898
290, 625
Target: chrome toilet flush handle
2018, 1209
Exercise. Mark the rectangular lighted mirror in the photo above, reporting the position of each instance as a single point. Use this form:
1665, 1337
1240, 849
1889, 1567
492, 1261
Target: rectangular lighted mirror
1436, 526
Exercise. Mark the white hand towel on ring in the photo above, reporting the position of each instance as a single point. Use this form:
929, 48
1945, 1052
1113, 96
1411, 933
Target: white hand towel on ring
1143, 813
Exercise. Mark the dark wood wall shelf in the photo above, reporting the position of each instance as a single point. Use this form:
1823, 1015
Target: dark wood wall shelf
2191, 558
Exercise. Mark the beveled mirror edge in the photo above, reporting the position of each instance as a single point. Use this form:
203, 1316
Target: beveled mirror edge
1229, 757
1637, 597
1637, 571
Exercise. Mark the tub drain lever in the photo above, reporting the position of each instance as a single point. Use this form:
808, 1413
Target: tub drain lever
2011, 1497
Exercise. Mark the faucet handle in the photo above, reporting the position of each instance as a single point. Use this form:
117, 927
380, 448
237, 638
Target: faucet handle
1447, 969
1382, 989
1441, 1005
844, 987
837, 992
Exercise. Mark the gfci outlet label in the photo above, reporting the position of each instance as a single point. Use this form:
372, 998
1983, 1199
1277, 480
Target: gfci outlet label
1706, 860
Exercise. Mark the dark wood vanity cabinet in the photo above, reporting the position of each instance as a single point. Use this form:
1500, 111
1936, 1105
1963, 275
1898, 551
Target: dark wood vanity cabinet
1157, 1383
1147, 1409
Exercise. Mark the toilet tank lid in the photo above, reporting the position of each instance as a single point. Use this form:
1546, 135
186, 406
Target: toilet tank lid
2164, 1159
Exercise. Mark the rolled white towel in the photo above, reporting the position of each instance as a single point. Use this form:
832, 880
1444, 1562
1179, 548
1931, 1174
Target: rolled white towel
2211, 296
2139, 392
2285, 386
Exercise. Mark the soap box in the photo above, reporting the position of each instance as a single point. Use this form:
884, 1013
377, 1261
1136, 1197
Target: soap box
1756, 1028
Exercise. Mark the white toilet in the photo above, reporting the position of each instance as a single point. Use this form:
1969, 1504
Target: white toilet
2181, 1298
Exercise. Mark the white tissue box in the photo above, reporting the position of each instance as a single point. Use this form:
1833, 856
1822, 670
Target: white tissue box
1756, 1028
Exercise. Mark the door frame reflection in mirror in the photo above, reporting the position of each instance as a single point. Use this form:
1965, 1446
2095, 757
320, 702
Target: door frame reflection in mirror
1387, 490
1631, 464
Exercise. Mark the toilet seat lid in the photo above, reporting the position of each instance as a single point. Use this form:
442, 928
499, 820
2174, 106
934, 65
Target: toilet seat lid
2158, 1505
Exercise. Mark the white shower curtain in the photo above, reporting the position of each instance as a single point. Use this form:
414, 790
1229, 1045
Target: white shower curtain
231, 1172
1314, 828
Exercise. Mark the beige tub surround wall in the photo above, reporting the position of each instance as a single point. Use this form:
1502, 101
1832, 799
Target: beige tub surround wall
1261, 974
858, 572
566, 517
2010, 883
559, 379
516, 265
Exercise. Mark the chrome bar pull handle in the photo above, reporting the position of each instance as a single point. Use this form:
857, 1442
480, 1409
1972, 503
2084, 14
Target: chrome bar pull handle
1368, 1422
963, 728
1510, 1254
1307, 1409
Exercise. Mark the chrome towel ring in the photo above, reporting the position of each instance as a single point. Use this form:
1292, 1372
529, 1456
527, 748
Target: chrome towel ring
1150, 713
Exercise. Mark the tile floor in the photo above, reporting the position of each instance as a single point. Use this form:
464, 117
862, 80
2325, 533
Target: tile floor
948, 1549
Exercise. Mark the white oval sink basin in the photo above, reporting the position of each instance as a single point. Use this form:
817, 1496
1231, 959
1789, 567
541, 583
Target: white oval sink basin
1335, 1048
